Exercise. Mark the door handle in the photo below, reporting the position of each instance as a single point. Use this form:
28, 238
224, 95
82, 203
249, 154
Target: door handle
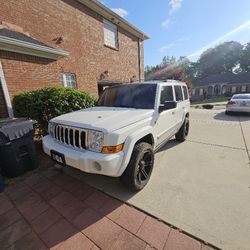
173, 113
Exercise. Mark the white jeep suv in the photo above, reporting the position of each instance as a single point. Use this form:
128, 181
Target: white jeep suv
118, 137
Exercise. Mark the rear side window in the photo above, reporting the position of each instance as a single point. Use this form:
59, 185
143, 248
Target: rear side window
167, 94
178, 93
184, 88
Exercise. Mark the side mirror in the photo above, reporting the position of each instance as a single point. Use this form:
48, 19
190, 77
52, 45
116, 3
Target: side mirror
167, 106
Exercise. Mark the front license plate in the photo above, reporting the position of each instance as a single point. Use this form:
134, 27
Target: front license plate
58, 157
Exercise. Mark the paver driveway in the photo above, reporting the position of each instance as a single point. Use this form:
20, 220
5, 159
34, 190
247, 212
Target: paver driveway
47, 209
202, 185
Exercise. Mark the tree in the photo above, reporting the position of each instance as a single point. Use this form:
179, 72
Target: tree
245, 58
220, 59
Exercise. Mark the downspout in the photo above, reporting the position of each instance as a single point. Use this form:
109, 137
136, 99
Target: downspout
6, 93
139, 58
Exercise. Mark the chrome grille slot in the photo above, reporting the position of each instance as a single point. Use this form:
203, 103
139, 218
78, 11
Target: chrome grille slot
71, 136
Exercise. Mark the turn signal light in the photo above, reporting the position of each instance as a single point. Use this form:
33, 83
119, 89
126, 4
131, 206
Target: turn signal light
112, 149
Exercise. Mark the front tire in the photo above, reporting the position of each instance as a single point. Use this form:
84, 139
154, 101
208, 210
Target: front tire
139, 169
182, 134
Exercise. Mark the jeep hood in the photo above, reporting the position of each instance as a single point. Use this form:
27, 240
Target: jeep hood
106, 119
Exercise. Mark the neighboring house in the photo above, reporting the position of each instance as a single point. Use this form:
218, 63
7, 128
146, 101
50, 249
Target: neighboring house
73, 43
225, 84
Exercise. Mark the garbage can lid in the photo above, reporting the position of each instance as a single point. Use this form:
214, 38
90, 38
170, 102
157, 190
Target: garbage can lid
14, 128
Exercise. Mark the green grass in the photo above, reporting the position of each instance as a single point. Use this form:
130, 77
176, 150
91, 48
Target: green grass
218, 101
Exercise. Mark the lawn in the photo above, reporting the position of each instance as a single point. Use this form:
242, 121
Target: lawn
218, 101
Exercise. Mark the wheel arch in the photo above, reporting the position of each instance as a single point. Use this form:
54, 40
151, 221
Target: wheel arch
143, 135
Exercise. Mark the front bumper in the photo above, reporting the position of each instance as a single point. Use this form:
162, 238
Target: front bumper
87, 161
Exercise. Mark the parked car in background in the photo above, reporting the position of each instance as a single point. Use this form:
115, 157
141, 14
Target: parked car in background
119, 136
238, 103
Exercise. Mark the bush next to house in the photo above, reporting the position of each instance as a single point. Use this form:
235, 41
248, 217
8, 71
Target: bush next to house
46, 103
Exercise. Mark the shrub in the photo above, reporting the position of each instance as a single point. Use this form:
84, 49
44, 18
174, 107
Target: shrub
46, 103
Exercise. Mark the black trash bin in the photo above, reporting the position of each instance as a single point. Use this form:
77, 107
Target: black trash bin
17, 148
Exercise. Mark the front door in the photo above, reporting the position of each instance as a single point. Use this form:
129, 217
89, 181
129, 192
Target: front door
165, 124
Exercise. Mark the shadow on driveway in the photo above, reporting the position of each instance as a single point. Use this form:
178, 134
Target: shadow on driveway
232, 118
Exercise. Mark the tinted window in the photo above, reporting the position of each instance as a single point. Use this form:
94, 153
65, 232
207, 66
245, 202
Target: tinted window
139, 96
178, 93
166, 94
184, 88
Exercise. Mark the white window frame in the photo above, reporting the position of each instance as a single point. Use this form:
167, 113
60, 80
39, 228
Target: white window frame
110, 32
68, 83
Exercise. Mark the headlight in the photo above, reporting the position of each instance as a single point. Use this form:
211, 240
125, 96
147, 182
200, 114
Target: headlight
95, 140
50, 129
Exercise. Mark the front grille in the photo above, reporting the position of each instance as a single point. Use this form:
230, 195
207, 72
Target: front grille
71, 136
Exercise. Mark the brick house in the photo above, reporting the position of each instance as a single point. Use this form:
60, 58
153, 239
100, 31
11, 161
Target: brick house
225, 84
73, 43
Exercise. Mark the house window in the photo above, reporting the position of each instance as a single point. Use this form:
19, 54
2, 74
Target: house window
233, 89
69, 80
110, 34
243, 88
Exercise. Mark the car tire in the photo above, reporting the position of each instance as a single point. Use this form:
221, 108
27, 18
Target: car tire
139, 169
182, 134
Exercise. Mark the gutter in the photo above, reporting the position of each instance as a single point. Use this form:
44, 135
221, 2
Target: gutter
139, 58
14, 45
6, 93
110, 15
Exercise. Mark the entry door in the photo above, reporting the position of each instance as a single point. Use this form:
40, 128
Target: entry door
165, 124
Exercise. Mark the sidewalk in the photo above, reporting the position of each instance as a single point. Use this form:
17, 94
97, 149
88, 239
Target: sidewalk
51, 210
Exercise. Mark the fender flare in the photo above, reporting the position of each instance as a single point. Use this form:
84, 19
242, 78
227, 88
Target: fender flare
130, 143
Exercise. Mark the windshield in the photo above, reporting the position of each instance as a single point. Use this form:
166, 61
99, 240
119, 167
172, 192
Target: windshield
241, 97
138, 96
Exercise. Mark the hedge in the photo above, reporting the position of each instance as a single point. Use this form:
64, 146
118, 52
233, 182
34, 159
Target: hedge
46, 103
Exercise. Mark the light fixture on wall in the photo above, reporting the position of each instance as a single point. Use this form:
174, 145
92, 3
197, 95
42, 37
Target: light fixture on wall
59, 39
104, 75
133, 78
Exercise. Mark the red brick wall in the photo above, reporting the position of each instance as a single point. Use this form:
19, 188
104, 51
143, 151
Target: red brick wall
82, 30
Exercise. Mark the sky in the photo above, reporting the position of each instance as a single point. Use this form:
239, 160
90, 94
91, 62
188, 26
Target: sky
185, 27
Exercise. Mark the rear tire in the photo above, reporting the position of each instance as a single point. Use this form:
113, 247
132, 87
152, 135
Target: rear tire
182, 134
139, 169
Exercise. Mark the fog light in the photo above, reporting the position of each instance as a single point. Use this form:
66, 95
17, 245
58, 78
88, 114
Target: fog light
97, 166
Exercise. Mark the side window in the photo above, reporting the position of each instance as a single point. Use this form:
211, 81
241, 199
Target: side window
178, 93
184, 88
69, 80
166, 94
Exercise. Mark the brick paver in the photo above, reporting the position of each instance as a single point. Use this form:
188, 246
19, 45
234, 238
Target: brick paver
50, 210
154, 232
179, 240
14, 232
128, 241
131, 219
9, 217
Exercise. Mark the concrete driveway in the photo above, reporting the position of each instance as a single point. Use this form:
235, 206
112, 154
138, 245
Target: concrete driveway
201, 186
